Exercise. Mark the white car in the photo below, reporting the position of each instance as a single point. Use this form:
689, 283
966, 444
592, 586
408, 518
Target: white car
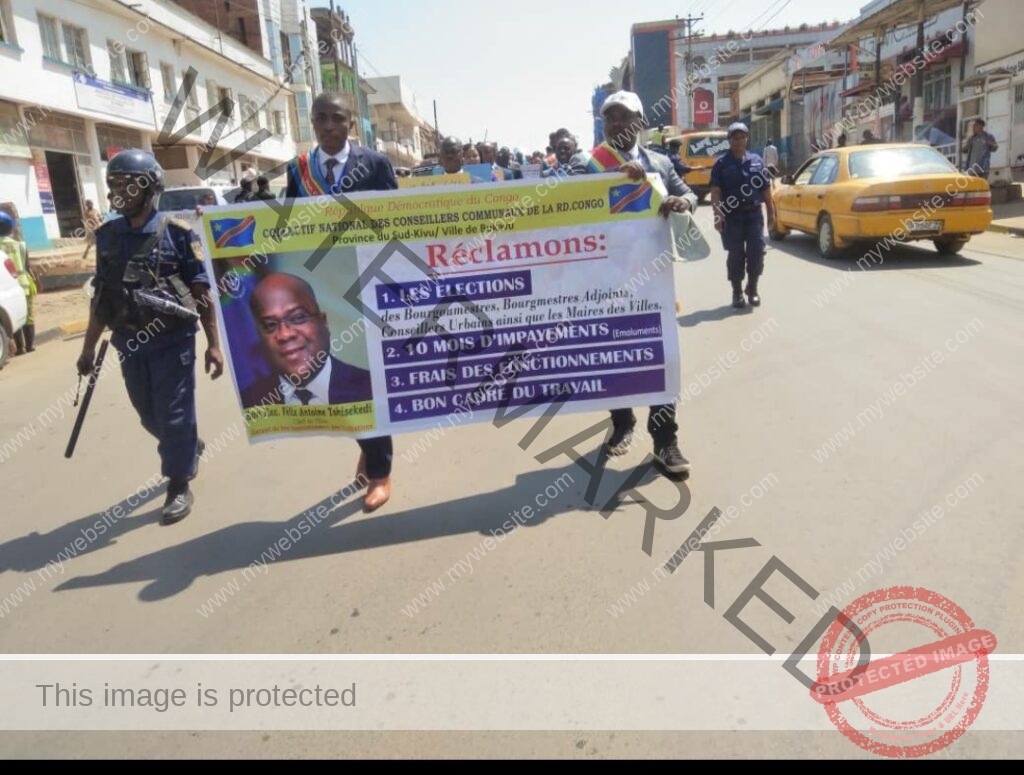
13, 309
176, 200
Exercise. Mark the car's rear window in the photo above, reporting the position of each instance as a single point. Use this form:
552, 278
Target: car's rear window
897, 162
708, 146
185, 199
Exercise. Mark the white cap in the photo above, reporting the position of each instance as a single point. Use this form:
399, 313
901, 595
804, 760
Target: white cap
625, 99
739, 126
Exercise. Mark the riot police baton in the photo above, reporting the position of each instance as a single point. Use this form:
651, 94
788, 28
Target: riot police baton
86, 400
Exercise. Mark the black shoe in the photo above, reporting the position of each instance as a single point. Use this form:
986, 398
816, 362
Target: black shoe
621, 441
755, 298
200, 451
672, 459
738, 302
178, 505
30, 338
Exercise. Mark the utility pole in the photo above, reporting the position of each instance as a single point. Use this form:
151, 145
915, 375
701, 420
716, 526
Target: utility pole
688, 23
337, 62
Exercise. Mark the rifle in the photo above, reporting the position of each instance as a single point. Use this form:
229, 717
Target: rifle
86, 400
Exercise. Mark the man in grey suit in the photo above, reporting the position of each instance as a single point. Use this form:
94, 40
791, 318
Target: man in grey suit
623, 114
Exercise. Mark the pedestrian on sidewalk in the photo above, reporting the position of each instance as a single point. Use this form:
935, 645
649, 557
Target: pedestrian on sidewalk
738, 191
91, 222
323, 171
623, 114
14, 247
143, 251
771, 158
978, 150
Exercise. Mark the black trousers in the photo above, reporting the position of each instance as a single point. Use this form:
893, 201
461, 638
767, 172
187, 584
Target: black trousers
661, 423
379, 454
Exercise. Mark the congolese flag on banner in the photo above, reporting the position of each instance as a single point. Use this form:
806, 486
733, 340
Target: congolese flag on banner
630, 198
234, 232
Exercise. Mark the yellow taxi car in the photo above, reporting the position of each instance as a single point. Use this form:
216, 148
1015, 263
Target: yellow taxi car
865, 193
701, 150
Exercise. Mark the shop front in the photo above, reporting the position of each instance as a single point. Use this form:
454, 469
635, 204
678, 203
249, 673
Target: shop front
62, 173
16, 162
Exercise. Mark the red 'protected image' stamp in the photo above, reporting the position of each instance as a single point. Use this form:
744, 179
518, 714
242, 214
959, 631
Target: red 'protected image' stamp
918, 701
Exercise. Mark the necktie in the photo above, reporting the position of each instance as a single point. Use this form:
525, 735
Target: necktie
331, 164
305, 396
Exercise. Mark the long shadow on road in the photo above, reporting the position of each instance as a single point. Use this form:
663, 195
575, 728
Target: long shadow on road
805, 247
173, 570
694, 319
38, 550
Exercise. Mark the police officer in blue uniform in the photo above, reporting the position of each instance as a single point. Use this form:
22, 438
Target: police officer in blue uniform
150, 290
740, 185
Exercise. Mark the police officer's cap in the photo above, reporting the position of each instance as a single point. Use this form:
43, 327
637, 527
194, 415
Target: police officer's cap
739, 126
137, 163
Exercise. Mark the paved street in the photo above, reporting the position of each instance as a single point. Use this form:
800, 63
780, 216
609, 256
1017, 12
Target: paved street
805, 367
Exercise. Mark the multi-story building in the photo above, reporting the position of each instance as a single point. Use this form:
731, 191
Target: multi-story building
772, 97
693, 83
97, 76
619, 78
402, 133
339, 69
280, 31
996, 90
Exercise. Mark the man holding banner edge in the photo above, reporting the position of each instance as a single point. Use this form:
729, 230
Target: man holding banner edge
623, 115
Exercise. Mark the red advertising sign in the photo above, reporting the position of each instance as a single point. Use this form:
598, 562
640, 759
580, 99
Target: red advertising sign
703, 106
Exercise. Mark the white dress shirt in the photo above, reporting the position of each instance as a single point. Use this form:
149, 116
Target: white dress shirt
341, 157
319, 386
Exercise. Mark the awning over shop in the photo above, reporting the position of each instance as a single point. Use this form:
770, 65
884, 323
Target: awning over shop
858, 89
898, 13
775, 106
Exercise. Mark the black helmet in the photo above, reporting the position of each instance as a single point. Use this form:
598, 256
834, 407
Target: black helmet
138, 163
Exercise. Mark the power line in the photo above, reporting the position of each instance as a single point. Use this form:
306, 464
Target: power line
770, 18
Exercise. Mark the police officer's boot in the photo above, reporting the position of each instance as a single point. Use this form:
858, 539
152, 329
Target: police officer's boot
755, 299
179, 502
19, 342
30, 338
738, 302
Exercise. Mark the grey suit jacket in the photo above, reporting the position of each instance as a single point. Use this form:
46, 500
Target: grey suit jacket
654, 161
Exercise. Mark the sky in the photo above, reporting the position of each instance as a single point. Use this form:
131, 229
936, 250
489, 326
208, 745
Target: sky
516, 71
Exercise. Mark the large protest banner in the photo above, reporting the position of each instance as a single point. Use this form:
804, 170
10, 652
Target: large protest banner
492, 297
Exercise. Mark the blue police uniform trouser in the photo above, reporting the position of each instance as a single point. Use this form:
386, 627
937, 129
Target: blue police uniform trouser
161, 384
743, 237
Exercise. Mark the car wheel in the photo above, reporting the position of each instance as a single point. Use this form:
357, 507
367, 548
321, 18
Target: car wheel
950, 247
5, 346
827, 238
776, 234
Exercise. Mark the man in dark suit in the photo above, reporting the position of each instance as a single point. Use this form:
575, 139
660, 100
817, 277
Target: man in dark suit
337, 166
297, 344
623, 115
